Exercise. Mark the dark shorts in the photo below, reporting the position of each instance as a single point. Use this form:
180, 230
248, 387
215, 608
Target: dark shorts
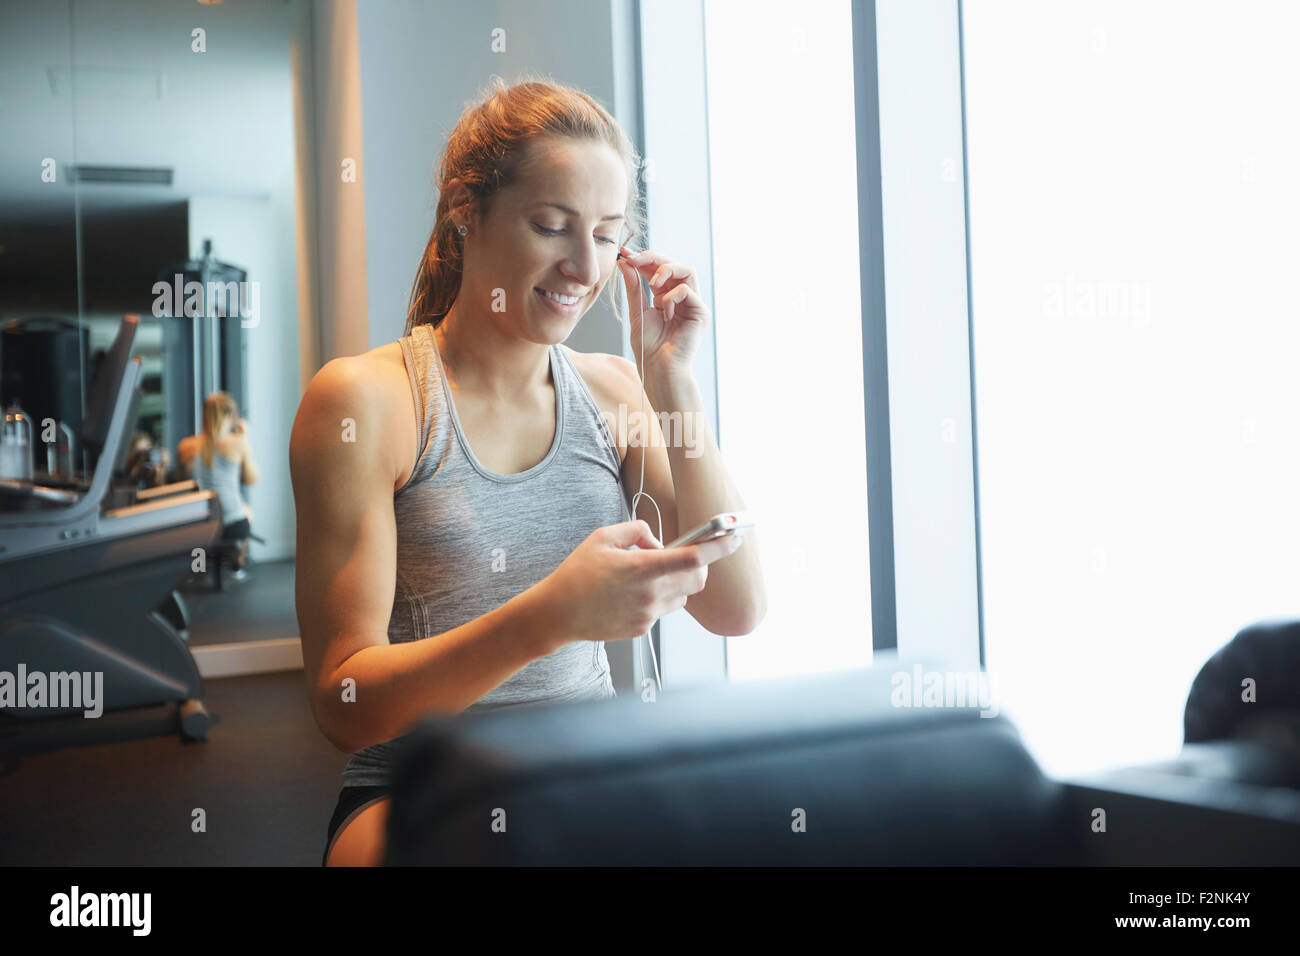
236, 530
351, 800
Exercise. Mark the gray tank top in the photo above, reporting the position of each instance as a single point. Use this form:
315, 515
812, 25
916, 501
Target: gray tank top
222, 477
468, 539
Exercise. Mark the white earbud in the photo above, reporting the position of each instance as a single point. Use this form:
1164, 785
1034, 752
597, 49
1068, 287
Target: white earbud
645, 443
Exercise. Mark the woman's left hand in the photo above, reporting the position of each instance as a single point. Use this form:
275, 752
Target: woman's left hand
675, 322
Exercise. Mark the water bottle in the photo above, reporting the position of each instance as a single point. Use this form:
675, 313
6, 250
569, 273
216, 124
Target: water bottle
16, 445
58, 453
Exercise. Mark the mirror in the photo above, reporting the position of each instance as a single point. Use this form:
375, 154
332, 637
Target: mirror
155, 174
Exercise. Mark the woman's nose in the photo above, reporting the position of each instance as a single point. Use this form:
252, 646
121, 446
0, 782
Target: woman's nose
584, 268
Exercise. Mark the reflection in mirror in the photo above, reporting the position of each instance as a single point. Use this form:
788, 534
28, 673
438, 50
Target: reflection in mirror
169, 195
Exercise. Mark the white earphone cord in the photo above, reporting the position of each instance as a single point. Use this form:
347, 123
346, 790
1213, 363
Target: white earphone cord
644, 443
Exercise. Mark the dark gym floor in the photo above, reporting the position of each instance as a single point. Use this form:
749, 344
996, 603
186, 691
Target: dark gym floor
120, 790
257, 609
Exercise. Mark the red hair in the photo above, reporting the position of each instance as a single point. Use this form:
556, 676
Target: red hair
487, 150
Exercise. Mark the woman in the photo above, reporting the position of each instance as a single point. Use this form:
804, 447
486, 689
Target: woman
461, 483
219, 459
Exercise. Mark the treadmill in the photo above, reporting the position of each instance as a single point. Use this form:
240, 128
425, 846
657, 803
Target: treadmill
88, 568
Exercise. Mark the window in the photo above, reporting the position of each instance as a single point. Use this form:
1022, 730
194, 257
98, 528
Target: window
1133, 247
783, 166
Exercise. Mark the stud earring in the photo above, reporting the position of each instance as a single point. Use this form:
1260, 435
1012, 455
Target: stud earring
463, 230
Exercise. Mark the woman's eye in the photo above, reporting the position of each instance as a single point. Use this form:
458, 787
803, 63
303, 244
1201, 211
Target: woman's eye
556, 232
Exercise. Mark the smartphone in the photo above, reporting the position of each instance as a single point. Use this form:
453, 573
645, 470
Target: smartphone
729, 522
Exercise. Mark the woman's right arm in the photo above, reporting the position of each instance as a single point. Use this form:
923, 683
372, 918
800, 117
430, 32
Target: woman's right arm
346, 576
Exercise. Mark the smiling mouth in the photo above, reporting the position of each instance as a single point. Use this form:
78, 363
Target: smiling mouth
566, 300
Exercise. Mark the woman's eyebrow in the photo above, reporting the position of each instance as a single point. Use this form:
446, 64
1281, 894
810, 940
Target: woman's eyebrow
574, 212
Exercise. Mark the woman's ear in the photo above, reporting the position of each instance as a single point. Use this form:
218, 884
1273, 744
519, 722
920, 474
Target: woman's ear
460, 203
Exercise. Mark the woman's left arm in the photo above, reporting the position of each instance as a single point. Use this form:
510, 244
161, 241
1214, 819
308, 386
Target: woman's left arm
734, 600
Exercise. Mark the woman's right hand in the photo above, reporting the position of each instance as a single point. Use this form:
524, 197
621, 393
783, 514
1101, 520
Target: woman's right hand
602, 591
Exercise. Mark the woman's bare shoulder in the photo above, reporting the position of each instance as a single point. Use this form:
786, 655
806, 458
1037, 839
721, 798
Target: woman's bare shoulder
376, 376
367, 396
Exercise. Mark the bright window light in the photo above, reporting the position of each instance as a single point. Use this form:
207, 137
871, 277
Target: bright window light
782, 157
1133, 243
